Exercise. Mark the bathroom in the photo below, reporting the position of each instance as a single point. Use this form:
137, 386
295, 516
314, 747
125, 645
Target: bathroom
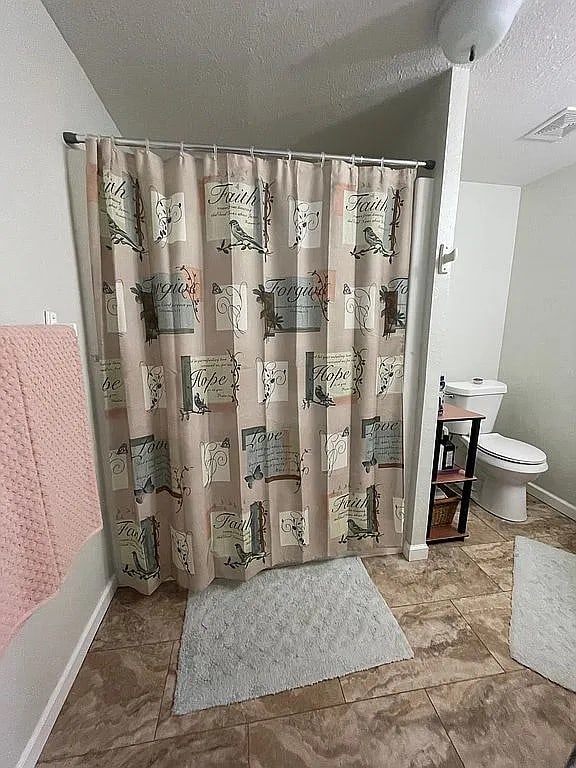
101, 672
512, 243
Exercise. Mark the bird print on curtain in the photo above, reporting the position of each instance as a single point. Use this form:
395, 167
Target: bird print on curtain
251, 317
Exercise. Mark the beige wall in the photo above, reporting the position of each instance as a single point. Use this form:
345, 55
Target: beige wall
538, 359
485, 235
43, 91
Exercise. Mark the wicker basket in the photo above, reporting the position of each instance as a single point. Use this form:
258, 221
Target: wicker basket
444, 509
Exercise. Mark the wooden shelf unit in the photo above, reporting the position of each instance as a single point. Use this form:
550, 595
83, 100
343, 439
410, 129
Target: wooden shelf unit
438, 533
457, 475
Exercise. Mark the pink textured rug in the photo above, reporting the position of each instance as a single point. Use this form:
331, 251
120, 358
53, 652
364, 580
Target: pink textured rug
48, 495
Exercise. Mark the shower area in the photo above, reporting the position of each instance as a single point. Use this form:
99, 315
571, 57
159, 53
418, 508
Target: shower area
251, 312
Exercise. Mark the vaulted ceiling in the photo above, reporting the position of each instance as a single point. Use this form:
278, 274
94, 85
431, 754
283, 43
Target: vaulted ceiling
278, 74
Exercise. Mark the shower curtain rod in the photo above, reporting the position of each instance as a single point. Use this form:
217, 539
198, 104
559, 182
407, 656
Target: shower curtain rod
77, 138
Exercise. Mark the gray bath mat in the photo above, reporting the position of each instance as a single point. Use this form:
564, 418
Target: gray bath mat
284, 629
543, 624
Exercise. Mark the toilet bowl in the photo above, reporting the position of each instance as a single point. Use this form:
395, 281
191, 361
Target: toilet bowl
504, 467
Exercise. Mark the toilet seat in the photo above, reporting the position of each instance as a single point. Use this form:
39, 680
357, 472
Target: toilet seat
505, 449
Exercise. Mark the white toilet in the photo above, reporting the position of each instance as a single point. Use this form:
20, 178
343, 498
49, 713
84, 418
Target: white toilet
503, 466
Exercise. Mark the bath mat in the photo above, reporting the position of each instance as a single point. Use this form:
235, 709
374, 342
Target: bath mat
543, 624
283, 629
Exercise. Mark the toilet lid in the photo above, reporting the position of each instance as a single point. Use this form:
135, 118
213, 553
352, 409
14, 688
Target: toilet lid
510, 450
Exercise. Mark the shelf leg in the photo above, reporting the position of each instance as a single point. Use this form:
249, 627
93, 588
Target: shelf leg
470, 464
439, 426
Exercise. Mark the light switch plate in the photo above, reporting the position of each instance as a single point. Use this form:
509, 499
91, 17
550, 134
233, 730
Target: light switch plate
50, 318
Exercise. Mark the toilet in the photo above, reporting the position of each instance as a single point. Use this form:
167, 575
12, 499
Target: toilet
503, 466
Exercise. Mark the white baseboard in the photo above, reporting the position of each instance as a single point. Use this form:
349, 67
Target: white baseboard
36, 742
560, 505
415, 551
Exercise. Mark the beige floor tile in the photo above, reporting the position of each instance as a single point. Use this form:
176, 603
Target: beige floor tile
496, 560
489, 617
447, 573
514, 720
480, 533
115, 701
226, 748
542, 521
135, 619
445, 649
325, 694
401, 730
561, 539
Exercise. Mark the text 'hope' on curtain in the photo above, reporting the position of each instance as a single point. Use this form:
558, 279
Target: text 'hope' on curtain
251, 319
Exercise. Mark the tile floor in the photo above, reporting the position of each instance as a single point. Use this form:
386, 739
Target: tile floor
460, 702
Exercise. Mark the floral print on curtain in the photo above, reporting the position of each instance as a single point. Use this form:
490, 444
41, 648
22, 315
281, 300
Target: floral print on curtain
251, 318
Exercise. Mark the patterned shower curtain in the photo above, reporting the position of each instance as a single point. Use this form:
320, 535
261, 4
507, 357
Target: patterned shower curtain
251, 319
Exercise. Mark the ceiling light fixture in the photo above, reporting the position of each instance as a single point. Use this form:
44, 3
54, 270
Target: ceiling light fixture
469, 29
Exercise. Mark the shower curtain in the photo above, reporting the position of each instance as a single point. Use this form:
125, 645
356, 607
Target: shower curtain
251, 318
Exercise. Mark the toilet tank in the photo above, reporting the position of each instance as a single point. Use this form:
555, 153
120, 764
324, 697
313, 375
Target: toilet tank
480, 395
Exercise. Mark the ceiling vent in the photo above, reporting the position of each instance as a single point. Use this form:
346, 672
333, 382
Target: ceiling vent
556, 127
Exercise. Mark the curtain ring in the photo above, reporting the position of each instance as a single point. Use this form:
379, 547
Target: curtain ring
147, 145
361, 159
252, 153
322, 160
353, 160
381, 163
215, 151
181, 152
289, 156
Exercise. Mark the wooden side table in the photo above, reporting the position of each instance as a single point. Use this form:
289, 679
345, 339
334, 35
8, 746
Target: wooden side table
438, 533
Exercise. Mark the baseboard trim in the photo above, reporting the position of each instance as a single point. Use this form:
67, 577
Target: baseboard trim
560, 505
415, 551
39, 736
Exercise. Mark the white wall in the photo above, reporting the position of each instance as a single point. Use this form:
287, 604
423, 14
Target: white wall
43, 91
538, 359
428, 122
485, 235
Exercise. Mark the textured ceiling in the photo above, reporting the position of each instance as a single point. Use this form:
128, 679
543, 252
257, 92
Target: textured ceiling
528, 78
305, 74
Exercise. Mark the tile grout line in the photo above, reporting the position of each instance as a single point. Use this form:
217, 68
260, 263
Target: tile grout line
445, 729
279, 717
498, 587
472, 679
497, 591
133, 646
476, 635
163, 690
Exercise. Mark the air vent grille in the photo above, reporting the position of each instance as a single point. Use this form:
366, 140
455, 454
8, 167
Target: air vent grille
556, 127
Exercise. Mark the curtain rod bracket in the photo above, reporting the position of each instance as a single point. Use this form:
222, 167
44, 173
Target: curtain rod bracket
70, 138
